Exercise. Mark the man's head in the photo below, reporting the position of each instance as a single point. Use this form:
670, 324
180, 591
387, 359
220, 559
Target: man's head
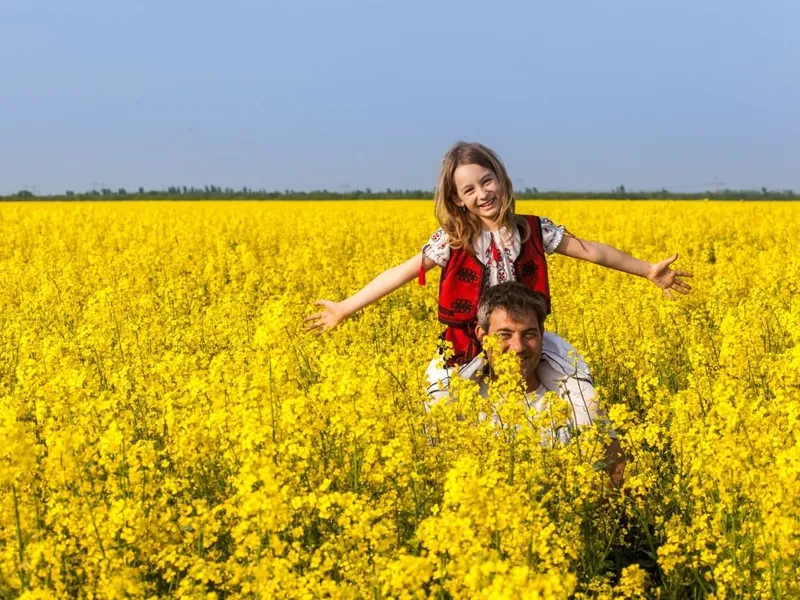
515, 315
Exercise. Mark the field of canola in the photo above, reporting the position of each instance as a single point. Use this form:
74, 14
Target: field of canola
168, 429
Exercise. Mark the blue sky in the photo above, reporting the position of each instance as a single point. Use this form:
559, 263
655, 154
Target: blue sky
309, 95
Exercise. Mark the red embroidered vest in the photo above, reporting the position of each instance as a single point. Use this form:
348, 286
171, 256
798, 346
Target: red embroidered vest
462, 283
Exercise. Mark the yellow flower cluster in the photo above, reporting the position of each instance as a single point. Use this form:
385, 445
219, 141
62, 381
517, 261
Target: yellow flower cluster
169, 429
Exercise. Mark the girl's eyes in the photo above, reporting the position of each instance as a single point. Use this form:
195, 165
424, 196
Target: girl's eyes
484, 182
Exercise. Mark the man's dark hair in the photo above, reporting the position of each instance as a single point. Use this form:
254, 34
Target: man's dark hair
516, 299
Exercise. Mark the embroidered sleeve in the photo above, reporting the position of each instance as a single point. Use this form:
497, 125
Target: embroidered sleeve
551, 234
438, 248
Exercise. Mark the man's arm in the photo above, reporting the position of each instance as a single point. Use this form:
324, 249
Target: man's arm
615, 461
565, 372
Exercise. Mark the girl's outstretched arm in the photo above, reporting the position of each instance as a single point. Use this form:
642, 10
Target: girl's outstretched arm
333, 313
659, 273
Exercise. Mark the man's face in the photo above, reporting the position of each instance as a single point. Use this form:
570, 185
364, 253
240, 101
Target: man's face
523, 337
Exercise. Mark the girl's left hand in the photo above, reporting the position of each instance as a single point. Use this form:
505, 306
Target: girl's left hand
667, 279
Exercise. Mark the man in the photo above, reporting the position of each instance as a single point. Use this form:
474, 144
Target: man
515, 315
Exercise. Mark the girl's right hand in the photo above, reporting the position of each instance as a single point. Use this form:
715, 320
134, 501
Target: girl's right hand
329, 317
333, 313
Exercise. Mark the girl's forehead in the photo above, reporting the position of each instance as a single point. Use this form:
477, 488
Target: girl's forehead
464, 173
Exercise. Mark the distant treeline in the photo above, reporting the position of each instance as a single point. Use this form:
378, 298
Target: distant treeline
214, 192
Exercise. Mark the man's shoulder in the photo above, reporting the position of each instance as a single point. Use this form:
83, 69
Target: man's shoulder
562, 357
474, 369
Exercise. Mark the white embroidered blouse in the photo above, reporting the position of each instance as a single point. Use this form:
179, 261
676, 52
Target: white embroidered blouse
500, 264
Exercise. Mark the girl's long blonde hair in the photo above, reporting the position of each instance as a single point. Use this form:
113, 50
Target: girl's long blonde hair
463, 227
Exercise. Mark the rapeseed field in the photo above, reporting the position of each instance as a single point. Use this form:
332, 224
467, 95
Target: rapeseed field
168, 428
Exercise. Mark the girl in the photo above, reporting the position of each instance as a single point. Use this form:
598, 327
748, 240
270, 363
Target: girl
482, 242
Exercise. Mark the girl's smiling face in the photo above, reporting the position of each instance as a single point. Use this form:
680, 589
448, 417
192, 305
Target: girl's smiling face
479, 191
